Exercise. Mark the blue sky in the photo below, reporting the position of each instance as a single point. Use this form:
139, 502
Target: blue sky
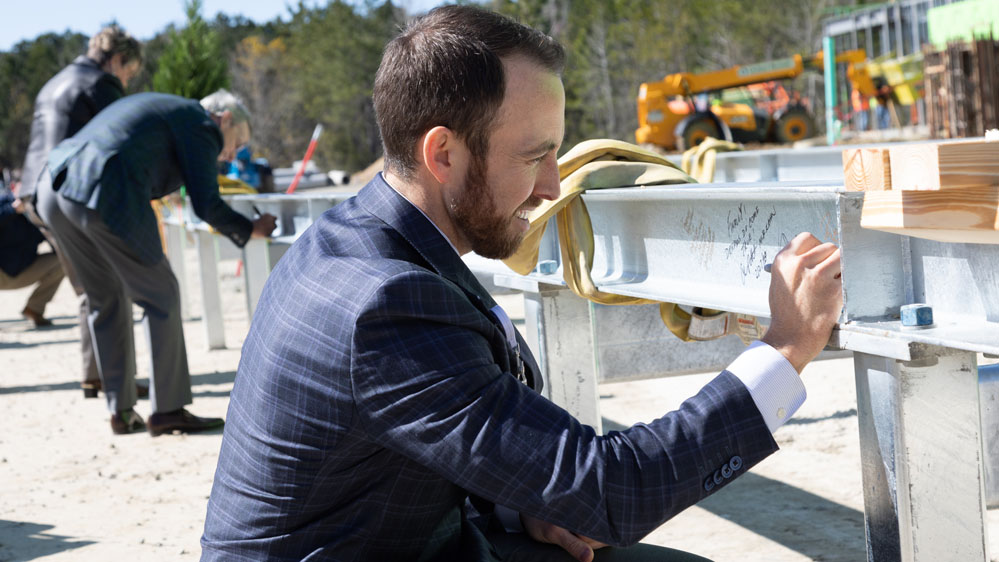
27, 19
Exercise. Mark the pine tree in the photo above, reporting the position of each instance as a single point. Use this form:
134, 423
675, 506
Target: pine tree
193, 64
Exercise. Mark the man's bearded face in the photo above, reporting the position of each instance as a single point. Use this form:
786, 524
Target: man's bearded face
490, 232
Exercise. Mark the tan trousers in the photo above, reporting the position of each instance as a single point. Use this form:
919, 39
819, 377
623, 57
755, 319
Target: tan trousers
46, 271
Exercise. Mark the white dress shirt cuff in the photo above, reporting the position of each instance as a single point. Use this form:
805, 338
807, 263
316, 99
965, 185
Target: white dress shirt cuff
773, 383
509, 518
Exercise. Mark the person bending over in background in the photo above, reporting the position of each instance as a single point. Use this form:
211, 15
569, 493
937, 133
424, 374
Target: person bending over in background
95, 196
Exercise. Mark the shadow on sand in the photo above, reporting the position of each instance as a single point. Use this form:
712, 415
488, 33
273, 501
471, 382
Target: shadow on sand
28, 541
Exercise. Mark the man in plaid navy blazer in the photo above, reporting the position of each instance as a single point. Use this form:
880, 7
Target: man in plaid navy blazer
381, 412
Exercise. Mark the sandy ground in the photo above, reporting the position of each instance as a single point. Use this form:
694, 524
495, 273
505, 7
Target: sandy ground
72, 491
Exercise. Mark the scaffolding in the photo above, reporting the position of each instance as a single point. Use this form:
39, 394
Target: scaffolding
890, 30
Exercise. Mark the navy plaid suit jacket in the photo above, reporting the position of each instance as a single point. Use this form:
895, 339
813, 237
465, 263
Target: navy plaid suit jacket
375, 395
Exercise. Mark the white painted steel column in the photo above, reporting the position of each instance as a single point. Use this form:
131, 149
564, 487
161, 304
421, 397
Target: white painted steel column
988, 396
768, 167
729, 166
211, 301
921, 456
175, 238
558, 329
256, 268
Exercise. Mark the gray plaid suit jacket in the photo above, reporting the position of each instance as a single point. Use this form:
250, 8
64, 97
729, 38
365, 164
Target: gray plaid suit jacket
374, 416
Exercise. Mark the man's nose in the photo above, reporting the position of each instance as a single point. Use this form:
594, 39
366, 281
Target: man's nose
547, 186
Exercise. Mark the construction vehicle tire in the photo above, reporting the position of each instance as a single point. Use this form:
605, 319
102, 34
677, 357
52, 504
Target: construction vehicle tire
695, 128
794, 125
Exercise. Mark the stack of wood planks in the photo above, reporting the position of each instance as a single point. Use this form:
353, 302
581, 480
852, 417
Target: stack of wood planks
942, 191
962, 89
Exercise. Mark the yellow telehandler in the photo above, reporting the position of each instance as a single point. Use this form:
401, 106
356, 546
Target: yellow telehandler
668, 118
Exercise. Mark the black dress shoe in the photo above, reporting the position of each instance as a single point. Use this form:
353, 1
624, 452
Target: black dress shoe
126, 421
91, 388
36, 319
182, 421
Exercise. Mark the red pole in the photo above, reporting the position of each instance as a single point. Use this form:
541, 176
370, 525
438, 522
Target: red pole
308, 154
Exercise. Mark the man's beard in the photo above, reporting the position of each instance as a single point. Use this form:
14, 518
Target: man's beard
473, 211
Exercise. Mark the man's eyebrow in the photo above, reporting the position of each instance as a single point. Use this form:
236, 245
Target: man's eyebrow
541, 148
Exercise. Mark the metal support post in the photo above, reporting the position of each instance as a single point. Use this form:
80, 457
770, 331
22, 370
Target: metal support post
725, 170
768, 167
920, 446
553, 316
988, 396
256, 267
211, 301
175, 236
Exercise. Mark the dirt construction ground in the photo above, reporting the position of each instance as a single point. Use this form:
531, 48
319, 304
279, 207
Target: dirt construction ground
72, 491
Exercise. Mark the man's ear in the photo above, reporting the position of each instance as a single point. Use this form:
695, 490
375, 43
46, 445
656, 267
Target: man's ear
440, 153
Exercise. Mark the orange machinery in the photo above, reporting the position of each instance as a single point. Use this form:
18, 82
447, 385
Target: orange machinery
668, 118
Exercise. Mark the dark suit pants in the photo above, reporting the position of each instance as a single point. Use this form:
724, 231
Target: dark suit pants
86, 340
113, 278
519, 547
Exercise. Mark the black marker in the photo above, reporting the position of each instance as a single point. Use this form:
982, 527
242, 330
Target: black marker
256, 210
767, 267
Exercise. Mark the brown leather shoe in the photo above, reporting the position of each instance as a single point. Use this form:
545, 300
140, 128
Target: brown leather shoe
91, 388
181, 421
36, 319
126, 421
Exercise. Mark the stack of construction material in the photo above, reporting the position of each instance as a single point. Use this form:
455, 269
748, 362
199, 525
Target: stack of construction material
962, 89
947, 192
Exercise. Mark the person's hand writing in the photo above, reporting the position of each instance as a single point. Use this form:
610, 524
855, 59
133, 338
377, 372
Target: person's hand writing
806, 298
264, 225
578, 546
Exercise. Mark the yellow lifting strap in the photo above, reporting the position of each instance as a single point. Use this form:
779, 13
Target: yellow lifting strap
592, 164
227, 186
700, 161
232, 186
158, 211
600, 164
703, 324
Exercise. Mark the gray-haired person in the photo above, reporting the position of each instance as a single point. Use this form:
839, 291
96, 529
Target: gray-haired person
64, 105
95, 198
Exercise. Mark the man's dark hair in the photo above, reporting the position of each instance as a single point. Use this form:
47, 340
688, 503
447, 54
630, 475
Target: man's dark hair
446, 70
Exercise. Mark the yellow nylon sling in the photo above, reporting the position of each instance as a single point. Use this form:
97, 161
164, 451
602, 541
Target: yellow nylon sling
599, 164
700, 161
227, 186
591, 164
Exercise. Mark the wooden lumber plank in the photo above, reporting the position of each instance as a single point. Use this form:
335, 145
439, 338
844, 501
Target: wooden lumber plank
866, 169
969, 215
934, 166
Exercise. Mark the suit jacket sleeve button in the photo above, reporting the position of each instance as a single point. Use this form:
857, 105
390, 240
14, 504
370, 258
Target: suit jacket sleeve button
735, 463
726, 471
709, 484
718, 477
